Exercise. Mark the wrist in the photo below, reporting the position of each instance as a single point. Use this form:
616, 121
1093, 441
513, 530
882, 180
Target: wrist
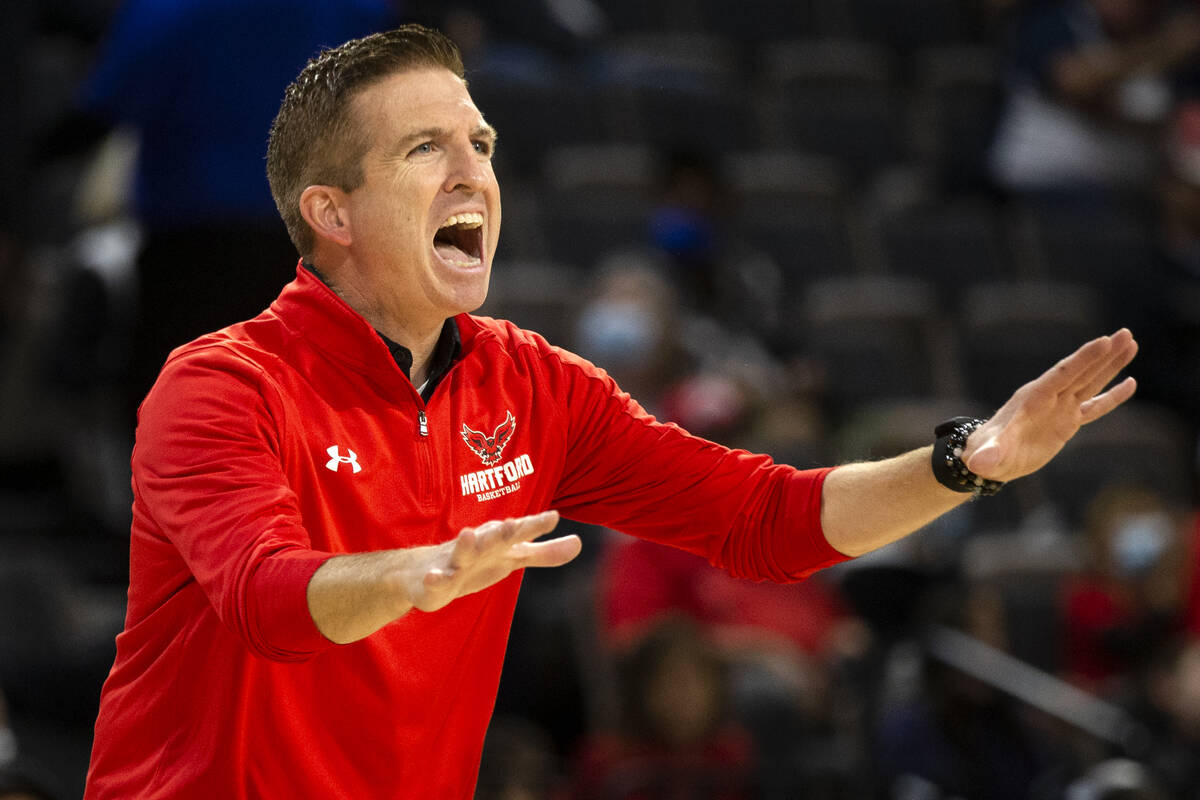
947, 459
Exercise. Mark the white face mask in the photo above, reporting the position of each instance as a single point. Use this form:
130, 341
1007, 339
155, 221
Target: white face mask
1140, 540
617, 333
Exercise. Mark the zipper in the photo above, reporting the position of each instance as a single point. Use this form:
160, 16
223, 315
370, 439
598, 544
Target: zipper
428, 471
426, 476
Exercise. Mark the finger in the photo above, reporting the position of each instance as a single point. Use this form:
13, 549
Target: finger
1124, 349
504, 533
466, 547
492, 532
1077, 367
535, 525
550, 553
1100, 405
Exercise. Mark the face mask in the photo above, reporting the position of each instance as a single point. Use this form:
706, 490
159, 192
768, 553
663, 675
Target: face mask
617, 333
1140, 541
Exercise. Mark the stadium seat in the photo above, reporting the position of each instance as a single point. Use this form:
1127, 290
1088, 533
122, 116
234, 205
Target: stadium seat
1011, 332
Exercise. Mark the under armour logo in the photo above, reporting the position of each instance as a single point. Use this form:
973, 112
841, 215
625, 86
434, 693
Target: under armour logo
336, 459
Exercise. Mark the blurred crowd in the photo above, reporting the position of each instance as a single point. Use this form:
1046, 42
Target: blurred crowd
812, 228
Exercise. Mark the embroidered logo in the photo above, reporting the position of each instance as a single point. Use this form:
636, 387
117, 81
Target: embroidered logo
489, 448
336, 459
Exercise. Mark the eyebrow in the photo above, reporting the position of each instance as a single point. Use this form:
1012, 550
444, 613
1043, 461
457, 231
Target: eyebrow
480, 131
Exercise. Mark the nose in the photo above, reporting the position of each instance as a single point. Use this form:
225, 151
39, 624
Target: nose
470, 170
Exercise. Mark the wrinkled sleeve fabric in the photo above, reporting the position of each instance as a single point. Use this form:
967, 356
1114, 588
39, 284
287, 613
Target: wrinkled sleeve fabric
627, 471
208, 476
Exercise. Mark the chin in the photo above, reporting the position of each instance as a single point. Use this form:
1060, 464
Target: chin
470, 297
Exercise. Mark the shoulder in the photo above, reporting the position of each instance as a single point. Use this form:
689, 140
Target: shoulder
234, 361
499, 336
238, 349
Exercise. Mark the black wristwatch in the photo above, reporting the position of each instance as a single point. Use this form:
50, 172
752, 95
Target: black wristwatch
948, 466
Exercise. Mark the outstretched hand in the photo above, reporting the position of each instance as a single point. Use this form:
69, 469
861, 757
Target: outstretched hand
1045, 413
479, 557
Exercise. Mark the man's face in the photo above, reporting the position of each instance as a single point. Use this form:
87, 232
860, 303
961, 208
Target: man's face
426, 219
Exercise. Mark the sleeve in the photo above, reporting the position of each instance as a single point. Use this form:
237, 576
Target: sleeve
207, 472
625, 470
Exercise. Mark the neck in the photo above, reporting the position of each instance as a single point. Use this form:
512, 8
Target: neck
422, 352
419, 336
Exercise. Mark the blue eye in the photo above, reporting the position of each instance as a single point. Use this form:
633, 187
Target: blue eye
423, 149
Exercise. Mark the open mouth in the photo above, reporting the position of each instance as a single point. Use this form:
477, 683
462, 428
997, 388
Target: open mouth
460, 240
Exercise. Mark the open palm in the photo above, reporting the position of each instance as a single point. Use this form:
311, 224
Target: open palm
1043, 415
479, 557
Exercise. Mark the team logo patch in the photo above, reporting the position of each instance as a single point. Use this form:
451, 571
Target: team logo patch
496, 479
489, 448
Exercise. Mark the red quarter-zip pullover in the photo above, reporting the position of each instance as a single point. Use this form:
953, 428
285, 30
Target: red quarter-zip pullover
269, 446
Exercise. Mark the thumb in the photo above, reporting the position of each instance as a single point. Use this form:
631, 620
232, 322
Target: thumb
985, 461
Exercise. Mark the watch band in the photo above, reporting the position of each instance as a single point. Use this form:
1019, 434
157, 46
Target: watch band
948, 466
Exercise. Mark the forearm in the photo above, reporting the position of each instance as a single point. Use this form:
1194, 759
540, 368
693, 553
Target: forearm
352, 596
865, 506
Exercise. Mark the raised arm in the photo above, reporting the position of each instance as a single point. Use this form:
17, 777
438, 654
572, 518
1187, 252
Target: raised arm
866, 506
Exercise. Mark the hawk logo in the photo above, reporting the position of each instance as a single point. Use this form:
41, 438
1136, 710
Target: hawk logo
489, 448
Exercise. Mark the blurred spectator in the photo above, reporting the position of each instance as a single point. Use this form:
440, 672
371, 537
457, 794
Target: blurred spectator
675, 740
1191, 568
717, 273
956, 736
200, 80
1180, 192
781, 644
642, 583
518, 763
1088, 83
1170, 705
630, 327
1132, 593
685, 224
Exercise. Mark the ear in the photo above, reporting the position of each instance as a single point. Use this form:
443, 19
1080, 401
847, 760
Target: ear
325, 210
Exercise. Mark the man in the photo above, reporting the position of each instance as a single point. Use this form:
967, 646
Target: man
335, 500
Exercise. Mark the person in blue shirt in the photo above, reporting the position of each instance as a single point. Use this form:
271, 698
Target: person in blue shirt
199, 81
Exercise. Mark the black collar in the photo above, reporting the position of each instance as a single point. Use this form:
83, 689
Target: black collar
445, 352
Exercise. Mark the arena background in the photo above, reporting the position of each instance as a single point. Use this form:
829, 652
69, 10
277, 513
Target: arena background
786, 226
